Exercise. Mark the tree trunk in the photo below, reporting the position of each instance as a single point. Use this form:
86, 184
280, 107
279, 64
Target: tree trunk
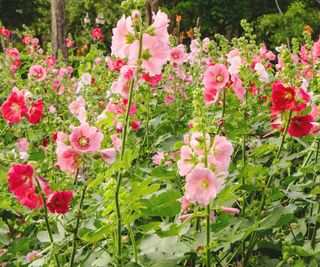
59, 28
152, 6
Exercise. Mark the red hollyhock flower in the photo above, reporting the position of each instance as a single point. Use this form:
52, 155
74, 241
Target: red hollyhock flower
97, 34
35, 112
14, 108
59, 201
300, 125
282, 98
302, 101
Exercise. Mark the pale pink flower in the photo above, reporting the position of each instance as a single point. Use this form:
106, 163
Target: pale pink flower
85, 138
154, 54
108, 155
315, 112
31, 256
158, 158
237, 87
230, 210
221, 151
123, 37
201, 186
68, 159
160, 27
216, 76
116, 142
195, 50
185, 163
178, 55
205, 44
52, 109
37, 72
76, 106
22, 145
263, 75
185, 203
86, 78
235, 64
122, 85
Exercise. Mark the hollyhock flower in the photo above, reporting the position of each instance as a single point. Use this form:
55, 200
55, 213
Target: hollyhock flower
135, 125
96, 33
14, 108
235, 61
122, 85
195, 50
153, 80
52, 109
38, 72
230, 210
69, 42
26, 39
116, 142
263, 75
282, 98
205, 44
86, 78
68, 159
51, 61
6, 33
315, 112
169, 99
237, 86
76, 106
35, 112
12, 53
302, 99
158, 158
85, 138
123, 37
160, 27
117, 64
178, 55
22, 145
15, 65
216, 77
185, 203
300, 125
221, 151
201, 186
185, 163
31, 256
315, 51
59, 202
154, 54
211, 95
109, 155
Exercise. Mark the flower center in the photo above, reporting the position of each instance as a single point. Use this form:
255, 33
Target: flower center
146, 54
205, 183
219, 78
83, 141
15, 107
288, 96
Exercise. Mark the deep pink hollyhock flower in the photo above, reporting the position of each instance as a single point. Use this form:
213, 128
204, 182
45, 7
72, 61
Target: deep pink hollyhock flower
135, 125
315, 51
201, 186
96, 33
14, 108
109, 155
221, 151
51, 61
178, 55
304, 55
302, 99
237, 87
300, 125
68, 159
12, 53
282, 98
15, 65
35, 112
37, 72
153, 80
211, 95
230, 210
185, 163
31, 256
216, 76
69, 42
154, 54
85, 138
158, 158
59, 201
133, 110
117, 64
123, 37
6, 33
169, 100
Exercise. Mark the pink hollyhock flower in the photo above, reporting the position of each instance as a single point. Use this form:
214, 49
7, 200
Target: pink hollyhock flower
35, 112
216, 76
201, 186
26, 39
51, 61
122, 85
235, 64
300, 125
123, 37
263, 75
211, 95
315, 112
178, 55
315, 51
185, 163
68, 159
76, 106
230, 210
69, 42
12, 53
135, 125
6, 33
154, 54
237, 87
169, 99
52, 109
86, 78
20, 179
153, 80
96, 33
22, 145
59, 201
109, 155
117, 64
85, 138
15, 65
38, 72
158, 158
185, 203
31, 256
116, 142
14, 108
160, 27
221, 151
302, 99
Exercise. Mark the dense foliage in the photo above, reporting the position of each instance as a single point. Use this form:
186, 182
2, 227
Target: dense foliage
159, 153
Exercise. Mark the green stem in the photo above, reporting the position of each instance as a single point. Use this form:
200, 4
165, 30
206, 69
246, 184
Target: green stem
4, 130
76, 229
208, 237
46, 217
223, 110
133, 242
